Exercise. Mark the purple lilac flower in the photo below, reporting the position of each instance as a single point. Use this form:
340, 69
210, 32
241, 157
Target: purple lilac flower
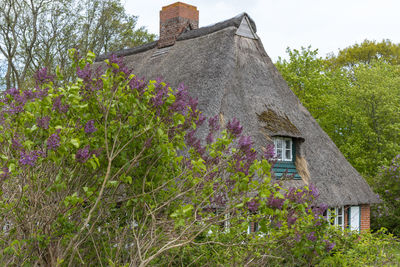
201, 119
96, 152
181, 100
138, 84
210, 176
213, 123
42, 76
190, 138
269, 152
14, 109
4, 173
58, 106
275, 202
29, 94
295, 195
83, 154
16, 144
329, 245
53, 142
244, 159
209, 138
218, 199
319, 210
89, 127
43, 122
194, 142
13, 92
20, 99
311, 236
234, 127
318, 222
85, 73
313, 191
29, 158
253, 205
115, 59
161, 93
291, 220
245, 143
193, 103
41, 93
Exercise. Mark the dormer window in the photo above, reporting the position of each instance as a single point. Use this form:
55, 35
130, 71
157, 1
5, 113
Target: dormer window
283, 148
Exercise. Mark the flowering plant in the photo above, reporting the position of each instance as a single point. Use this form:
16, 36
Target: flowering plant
111, 169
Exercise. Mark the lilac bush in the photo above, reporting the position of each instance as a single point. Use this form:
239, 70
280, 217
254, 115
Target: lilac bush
111, 169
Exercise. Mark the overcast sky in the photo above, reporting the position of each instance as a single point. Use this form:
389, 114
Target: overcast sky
324, 24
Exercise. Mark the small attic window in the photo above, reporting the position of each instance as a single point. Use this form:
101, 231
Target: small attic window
283, 148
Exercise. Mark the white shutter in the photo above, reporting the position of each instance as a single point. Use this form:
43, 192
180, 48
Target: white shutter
355, 218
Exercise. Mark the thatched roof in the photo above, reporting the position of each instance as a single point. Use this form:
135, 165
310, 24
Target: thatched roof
233, 76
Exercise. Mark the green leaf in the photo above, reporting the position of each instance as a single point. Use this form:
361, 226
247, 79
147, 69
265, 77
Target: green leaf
59, 73
112, 183
90, 56
187, 208
93, 163
75, 142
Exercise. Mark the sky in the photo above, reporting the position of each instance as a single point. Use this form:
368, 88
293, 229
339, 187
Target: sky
326, 25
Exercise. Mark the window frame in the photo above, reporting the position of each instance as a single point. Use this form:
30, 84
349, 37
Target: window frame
284, 148
335, 216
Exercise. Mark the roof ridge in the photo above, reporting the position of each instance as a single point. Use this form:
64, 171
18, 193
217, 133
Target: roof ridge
205, 30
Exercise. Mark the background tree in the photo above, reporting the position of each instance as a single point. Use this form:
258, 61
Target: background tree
55, 26
366, 53
357, 106
387, 213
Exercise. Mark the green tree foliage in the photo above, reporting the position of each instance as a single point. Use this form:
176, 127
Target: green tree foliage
387, 185
357, 106
366, 53
109, 170
36, 33
303, 72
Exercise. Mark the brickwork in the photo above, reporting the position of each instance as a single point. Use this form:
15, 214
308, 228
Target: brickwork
174, 19
252, 227
346, 216
365, 217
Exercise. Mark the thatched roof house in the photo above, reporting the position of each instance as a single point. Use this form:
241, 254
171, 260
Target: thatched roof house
226, 67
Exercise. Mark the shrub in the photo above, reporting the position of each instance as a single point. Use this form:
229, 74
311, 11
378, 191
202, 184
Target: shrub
109, 169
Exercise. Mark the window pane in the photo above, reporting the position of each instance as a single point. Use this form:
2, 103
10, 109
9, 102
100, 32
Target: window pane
339, 220
340, 211
288, 154
287, 144
279, 154
278, 144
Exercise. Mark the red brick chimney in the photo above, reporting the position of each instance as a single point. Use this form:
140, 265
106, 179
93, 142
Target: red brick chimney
174, 19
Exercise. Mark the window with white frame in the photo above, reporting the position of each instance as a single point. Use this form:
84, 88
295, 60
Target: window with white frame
335, 216
253, 227
283, 148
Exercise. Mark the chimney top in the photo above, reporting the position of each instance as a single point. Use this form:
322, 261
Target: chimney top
174, 19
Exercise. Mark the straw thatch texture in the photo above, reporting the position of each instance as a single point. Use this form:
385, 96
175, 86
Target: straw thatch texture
232, 76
